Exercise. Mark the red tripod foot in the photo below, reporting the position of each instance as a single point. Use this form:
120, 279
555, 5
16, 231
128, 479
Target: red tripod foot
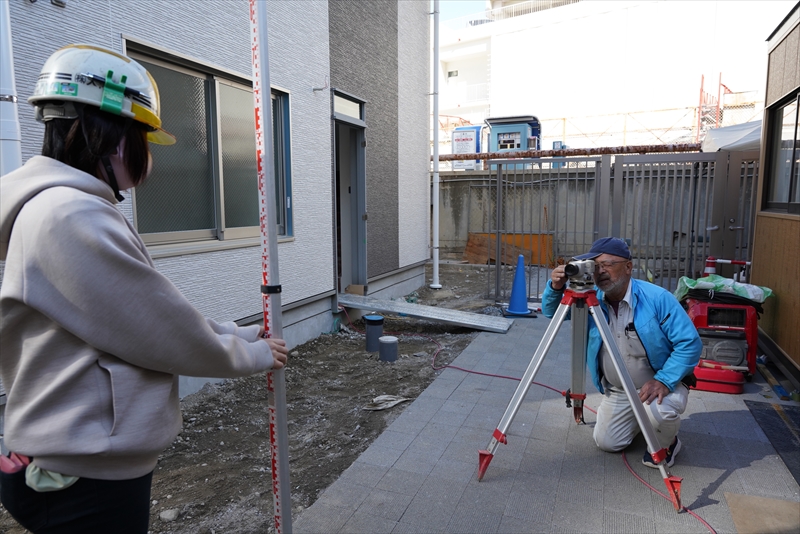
577, 412
575, 401
484, 457
674, 489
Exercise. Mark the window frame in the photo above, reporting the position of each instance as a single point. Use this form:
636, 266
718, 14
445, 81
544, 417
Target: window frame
774, 137
220, 236
344, 117
283, 179
226, 233
185, 236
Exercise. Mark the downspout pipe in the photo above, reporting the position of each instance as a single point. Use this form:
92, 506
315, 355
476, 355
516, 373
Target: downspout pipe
435, 197
10, 138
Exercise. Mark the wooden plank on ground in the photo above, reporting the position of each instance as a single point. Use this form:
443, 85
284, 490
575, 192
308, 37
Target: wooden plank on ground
776, 386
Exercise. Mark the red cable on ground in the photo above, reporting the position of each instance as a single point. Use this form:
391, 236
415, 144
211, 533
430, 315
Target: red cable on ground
640, 479
563, 394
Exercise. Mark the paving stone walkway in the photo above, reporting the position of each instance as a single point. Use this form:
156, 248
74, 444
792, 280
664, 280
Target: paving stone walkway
420, 475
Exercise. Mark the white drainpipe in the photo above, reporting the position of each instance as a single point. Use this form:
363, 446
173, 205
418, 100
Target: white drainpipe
435, 199
10, 139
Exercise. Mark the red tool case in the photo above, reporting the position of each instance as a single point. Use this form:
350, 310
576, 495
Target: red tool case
730, 342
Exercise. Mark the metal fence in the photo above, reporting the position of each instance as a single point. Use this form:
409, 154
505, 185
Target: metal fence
674, 210
546, 214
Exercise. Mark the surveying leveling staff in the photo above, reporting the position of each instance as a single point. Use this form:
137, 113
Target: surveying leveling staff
93, 337
658, 342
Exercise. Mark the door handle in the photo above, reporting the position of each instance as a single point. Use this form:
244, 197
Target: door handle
732, 228
712, 228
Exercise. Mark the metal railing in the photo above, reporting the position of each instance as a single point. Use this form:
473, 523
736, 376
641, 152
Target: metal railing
526, 8
477, 92
467, 94
502, 13
546, 213
664, 207
673, 209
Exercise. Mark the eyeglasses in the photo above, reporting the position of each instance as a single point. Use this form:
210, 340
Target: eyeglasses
606, 265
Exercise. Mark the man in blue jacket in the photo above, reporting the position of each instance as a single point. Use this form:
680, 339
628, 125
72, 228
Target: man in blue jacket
657, 340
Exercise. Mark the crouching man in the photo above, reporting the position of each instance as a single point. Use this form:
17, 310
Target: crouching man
657, 340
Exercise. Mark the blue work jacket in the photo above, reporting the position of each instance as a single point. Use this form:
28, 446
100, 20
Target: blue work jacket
669, 338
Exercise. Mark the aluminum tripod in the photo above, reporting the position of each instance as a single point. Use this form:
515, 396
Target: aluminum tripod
580, 302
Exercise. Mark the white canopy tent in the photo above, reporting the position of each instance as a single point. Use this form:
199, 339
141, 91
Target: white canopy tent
739, 137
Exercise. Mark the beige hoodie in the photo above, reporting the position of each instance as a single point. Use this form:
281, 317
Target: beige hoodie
93, 337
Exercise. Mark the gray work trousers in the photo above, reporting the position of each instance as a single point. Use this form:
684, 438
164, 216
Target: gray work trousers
617, 426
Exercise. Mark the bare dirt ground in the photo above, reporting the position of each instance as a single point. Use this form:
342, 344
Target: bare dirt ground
216, 477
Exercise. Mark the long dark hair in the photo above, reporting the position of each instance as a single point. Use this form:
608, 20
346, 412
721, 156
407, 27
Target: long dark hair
81, 142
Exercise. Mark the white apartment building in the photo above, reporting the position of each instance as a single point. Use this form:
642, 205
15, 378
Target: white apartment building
598, 73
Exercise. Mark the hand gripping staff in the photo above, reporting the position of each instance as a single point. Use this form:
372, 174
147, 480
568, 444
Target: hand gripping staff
578, 300
270, 287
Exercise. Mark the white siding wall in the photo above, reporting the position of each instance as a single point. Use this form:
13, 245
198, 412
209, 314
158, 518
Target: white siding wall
223, 285
413, 47
299, 62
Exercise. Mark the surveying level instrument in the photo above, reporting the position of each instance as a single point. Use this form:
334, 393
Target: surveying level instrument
580, 299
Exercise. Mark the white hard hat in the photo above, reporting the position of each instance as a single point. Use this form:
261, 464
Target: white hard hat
96, 76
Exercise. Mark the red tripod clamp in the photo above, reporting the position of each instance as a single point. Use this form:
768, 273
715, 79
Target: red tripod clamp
577, 410
571, 296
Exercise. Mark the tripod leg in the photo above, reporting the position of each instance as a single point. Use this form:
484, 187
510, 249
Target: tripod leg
658, 453
577, 392
499, 435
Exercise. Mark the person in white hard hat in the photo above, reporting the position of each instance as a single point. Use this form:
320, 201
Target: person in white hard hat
92, 336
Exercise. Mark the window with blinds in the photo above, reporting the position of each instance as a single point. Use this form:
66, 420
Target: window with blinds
205, 186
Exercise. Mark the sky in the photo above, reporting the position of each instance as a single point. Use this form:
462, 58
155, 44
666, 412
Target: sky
451, 9
627, 56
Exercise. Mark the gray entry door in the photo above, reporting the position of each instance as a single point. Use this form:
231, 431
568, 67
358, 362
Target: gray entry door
351, 225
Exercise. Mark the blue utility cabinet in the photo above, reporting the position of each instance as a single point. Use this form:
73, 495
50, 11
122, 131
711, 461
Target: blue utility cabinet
514, 134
